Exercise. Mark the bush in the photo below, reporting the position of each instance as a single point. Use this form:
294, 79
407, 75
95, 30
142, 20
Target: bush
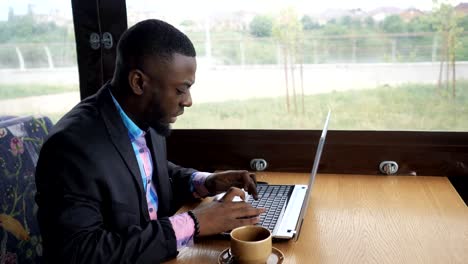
261, 26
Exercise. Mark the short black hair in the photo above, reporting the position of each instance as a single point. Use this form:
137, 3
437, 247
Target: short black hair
150, 38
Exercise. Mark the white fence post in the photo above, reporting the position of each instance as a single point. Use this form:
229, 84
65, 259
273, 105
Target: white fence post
20, 58
49, 57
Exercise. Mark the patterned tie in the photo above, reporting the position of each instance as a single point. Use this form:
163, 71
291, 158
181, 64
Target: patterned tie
146, 169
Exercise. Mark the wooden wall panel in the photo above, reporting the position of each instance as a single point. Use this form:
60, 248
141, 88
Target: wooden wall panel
420, 153
347, 152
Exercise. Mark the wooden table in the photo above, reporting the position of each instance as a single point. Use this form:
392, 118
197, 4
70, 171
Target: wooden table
368, 219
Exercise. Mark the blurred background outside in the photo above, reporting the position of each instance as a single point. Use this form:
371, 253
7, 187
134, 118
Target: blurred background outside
379, 65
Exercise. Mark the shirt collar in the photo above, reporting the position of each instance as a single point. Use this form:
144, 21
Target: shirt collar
134, 131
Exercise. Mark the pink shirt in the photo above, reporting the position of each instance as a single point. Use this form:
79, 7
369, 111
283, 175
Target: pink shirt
183, 224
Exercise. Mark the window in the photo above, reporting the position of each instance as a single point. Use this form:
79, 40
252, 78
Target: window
38, 69
376, 64
379, 65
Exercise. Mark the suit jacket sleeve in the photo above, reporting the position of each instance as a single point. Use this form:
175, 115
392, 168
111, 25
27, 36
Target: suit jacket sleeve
181, 184
78, 222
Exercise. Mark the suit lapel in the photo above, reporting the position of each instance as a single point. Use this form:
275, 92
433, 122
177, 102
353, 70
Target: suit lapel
119, 135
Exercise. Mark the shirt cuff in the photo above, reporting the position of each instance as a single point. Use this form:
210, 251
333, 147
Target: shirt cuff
184, 229
198, 187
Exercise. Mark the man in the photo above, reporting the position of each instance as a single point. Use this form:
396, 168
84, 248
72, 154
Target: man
105, 190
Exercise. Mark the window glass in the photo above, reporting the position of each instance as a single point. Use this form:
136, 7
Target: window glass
377, 64
38, 66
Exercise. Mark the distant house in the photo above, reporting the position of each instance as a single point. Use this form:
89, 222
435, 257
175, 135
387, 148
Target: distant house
56, 16
59, 18
379, 14
358, 14
335, 14
410, 14
332, 14
238, 20
462, 8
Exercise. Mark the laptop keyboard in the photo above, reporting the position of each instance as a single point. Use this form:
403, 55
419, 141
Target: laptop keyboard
273, 198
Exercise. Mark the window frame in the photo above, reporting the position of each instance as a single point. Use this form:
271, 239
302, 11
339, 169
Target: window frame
345, 152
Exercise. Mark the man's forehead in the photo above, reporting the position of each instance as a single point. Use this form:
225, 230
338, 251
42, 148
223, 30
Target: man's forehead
175, 67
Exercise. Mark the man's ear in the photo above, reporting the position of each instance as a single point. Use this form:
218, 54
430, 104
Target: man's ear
135, 79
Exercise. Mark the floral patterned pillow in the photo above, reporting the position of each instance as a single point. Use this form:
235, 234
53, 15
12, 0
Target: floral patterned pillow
20, 143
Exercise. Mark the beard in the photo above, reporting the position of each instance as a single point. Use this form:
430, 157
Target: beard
163, 129
157, 116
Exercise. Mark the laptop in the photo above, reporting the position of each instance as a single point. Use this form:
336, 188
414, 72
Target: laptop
287, 204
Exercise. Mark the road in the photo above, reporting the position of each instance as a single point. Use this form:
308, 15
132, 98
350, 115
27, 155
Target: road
222, 83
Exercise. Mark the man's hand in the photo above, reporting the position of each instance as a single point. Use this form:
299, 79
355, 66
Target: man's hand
224, 214
222, 181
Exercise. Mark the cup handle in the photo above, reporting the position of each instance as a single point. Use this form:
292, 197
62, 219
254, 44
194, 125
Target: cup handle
227, 258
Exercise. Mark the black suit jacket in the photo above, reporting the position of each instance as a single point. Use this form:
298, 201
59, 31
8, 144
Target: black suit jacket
92, 206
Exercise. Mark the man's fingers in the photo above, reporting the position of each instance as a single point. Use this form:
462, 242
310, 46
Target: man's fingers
225, 215
253, 177
249, 221
242, 210
250, 184
246, 211
231, 193
251, 212
250, 216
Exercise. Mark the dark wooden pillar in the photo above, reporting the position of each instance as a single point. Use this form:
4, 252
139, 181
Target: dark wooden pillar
94, 22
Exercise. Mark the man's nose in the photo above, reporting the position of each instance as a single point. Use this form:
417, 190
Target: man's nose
187, 101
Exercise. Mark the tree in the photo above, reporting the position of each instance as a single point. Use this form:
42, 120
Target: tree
346, 21
393, 24
463, 22
308, 23
261, 26
188, 23
369, 22
288, 31
446, 22
24, 28
421, 24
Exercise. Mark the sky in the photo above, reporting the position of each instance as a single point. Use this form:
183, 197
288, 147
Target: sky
190, 8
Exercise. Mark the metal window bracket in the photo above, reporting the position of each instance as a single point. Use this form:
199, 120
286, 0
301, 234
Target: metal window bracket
388, 167
258, 164
107, 41
96, 40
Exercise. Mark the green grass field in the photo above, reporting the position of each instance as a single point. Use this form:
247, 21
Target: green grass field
9, 91
405, 107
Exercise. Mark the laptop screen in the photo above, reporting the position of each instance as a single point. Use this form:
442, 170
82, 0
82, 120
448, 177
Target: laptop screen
313, 173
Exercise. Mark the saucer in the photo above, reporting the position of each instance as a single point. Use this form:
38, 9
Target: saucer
276, 257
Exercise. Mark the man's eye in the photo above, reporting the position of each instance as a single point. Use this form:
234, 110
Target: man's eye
181, 91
